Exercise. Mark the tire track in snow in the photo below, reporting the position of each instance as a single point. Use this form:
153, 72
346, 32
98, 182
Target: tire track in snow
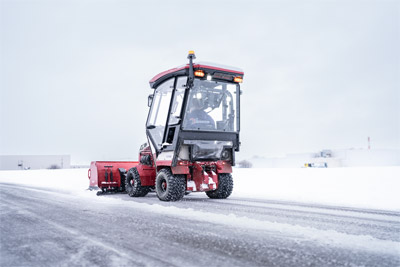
381, 226
327, 237
123, 259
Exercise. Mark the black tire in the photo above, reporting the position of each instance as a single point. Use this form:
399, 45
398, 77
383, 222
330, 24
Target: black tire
133, 186
225, 187
170, 187
122, 176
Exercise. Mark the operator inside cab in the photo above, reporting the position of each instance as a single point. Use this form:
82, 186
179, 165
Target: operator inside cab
211, 106
198, 118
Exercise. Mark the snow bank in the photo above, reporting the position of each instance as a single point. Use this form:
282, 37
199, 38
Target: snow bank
73, 180
364, 187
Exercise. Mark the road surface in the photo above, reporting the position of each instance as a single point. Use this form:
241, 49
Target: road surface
46, 227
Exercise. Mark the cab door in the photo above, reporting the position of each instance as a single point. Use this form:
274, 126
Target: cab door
175, 114
158, 114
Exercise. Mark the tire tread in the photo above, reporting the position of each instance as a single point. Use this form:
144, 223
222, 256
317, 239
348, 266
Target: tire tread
225, 187
176, 186
137, 190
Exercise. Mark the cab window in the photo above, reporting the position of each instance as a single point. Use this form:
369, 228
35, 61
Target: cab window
176, 108
159, 111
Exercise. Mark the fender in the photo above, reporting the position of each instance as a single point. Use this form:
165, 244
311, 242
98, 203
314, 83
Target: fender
180, 169
224, 167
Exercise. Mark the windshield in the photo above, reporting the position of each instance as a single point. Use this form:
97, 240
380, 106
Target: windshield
212, 106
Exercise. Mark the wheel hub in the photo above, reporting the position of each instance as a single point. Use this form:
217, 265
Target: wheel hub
164, 185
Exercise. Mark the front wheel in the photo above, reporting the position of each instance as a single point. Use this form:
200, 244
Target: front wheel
170, 187
225, 187
133, 185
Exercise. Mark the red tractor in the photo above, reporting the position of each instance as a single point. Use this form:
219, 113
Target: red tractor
193, 132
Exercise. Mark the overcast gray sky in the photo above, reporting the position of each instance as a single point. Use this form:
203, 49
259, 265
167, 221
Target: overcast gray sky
318, 74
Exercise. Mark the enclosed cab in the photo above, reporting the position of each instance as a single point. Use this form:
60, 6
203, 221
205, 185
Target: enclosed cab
193, 125
193, 130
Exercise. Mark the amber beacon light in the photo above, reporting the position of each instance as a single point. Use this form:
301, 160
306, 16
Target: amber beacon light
238, 79
199, 73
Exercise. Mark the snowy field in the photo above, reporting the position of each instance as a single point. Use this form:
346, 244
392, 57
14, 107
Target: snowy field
364, 187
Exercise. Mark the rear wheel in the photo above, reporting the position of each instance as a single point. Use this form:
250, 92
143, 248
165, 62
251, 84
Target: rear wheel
133, 185
225, 187
170, 187
122, 175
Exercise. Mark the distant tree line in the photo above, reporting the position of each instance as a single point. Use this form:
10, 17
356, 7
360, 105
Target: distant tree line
54, 167
245, 164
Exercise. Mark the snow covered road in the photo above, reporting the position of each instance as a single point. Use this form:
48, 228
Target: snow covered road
54, 227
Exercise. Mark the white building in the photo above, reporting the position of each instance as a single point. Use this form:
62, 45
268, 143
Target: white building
332, 159
26, 162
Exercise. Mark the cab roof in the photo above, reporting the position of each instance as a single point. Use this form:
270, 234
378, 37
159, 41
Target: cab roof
184, 69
